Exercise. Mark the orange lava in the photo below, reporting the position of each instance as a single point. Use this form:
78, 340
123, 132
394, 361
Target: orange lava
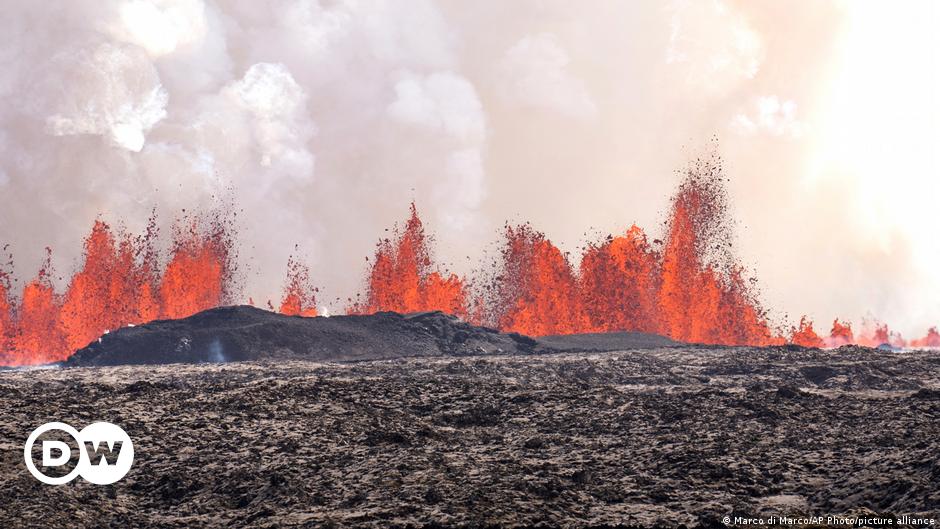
535, 291
805, 335
880, 334
37, 335
119, 282
841, 334
403, 277
197, 275
619, 282
703, 297
689, 287
300, 296
105, 293
932, 339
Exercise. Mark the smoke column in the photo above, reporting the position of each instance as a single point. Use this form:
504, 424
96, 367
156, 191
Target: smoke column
322, 121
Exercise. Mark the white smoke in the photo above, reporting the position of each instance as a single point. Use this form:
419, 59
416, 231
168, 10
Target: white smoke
112, 91
444, 103
326, 118
714, 44
536, 72
160, 26
278, 107
771, 115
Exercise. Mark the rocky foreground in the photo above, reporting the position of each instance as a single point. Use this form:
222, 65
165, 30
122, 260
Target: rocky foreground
658, 437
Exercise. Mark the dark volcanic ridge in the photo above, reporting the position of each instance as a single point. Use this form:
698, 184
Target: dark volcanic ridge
245, 333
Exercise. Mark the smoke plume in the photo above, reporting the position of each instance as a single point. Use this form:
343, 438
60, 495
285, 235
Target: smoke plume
322, 120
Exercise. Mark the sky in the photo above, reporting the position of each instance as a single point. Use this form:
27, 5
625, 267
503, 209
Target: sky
322, 121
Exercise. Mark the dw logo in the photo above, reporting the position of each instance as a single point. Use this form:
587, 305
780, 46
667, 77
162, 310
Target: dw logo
105, 453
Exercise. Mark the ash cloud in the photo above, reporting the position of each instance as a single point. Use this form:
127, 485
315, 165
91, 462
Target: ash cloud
325, 119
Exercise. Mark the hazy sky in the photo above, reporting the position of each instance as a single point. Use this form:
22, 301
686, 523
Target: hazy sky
327, 118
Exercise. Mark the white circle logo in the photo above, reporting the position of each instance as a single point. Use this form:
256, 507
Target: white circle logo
105, 453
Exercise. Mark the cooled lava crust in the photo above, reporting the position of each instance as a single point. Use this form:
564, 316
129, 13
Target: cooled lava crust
653, 437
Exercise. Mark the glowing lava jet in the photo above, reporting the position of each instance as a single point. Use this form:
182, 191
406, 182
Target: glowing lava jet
404, 279
300, 296
689, 286
119, 282
535, 291
619, 281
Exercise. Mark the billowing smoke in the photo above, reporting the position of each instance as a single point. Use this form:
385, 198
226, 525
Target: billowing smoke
322, 120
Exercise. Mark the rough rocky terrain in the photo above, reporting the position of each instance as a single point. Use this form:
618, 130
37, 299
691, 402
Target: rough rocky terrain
242, 333
656, 437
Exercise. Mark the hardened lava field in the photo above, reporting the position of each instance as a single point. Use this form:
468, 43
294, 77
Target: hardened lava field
669, 436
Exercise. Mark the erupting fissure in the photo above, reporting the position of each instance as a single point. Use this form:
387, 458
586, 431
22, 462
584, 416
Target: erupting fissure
535, 290
300, 296
689, 286
403, 279
120, 282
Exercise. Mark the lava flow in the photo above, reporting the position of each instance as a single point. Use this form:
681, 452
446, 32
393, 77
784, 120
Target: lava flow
688, 288
703, 296
619, 283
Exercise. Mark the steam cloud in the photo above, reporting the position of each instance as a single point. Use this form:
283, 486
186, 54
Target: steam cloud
326, 118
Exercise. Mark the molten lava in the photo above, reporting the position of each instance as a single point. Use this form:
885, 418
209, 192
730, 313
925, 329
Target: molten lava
841, 334
619, 280
300, 296
689, 287
703, 296
879, 334
931, 340
535, 291
37, 334
118, 283
805, 335
104, 293
200, 269
404, 279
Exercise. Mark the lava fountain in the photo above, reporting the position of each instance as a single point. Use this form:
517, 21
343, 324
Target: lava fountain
403, 277
300, 295
119, 282
688, 286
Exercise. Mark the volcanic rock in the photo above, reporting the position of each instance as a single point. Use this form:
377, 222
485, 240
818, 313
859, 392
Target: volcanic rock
244, 333
638, 438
